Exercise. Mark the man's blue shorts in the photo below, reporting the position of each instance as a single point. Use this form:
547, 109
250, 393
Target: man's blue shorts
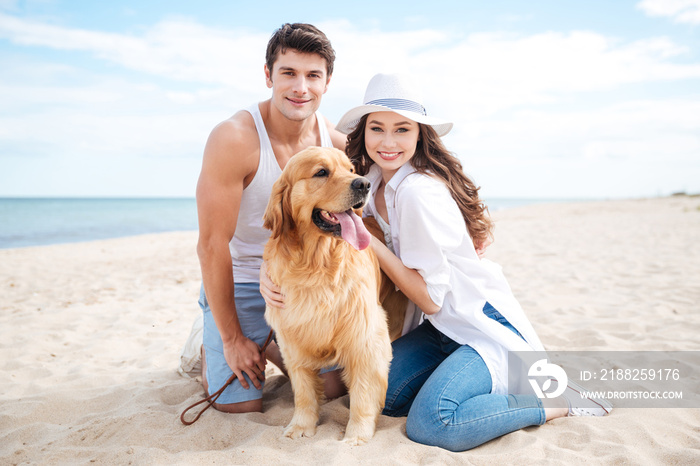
250, 307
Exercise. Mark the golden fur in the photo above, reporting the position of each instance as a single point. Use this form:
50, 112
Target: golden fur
393, 300
332, 314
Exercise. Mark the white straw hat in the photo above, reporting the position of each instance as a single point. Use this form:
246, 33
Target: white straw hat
392, 93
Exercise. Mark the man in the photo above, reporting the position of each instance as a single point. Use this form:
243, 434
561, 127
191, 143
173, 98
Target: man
243, 157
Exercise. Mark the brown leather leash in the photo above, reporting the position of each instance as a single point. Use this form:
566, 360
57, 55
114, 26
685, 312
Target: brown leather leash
214, 396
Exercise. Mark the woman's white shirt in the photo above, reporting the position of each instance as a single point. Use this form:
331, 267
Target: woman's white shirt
429, 235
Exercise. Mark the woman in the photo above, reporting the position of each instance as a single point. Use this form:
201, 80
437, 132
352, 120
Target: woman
449, 372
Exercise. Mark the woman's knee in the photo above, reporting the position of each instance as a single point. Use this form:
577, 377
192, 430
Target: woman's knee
423, 431
415, 431
437, 433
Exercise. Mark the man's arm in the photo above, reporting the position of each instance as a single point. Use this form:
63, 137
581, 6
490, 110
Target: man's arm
228, 158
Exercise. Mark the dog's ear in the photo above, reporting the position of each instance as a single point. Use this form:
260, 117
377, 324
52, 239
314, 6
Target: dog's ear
277, 216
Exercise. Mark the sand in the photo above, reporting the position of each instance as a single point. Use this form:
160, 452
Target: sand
90, 339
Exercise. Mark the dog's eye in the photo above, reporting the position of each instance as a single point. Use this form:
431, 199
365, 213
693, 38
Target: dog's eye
321, 173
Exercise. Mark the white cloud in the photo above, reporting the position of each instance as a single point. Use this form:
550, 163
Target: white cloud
176, 48
482, 74
491, 70
543, 106
637, 131
633, 148
681, 11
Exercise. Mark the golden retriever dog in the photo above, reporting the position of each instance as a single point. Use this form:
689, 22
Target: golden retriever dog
318, 254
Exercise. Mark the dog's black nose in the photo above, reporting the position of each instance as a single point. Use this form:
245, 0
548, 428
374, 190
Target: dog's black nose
360, 184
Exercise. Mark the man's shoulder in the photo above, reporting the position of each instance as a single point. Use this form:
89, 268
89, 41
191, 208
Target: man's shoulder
233, 147
235, 136
339, 139
238, 130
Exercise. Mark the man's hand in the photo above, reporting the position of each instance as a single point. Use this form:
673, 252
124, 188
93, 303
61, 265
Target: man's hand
243, 356
271, 293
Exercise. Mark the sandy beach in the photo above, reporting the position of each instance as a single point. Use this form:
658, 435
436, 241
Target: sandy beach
91, 333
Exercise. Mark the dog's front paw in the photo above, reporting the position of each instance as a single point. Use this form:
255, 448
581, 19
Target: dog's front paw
358, 433
296, 431
355, 440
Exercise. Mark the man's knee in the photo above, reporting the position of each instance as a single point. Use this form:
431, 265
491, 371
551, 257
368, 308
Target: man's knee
274, 355
252, 406
333, 386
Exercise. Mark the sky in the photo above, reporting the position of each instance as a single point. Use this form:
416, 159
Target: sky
555, 99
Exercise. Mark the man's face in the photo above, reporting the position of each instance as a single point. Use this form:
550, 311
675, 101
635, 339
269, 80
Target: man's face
298, 81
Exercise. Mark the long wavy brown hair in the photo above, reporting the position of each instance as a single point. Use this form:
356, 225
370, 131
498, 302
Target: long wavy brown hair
432, 158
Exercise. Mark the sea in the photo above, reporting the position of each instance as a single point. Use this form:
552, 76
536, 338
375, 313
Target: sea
43, 221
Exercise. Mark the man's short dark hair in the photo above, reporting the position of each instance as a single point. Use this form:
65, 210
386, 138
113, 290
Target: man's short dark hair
303, 38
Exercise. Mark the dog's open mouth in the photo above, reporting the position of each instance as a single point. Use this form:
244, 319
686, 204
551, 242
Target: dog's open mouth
347, 225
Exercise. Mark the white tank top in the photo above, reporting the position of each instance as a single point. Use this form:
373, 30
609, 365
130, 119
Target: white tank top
248, 242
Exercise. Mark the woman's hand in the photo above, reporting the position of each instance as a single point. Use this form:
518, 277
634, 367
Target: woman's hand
271, 293
481, 248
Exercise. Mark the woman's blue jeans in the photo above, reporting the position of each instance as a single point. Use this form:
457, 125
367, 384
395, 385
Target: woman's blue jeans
445, 390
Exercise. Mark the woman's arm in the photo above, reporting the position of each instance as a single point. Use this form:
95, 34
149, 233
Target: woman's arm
270, 291
409, 281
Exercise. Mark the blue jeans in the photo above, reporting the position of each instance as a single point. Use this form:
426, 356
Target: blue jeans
445, 390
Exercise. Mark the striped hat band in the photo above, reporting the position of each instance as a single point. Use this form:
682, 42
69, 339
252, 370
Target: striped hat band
399, 104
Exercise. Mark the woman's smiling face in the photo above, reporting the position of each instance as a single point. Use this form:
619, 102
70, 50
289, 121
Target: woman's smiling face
390, 141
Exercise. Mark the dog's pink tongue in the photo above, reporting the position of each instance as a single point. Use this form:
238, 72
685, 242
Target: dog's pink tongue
353, 230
